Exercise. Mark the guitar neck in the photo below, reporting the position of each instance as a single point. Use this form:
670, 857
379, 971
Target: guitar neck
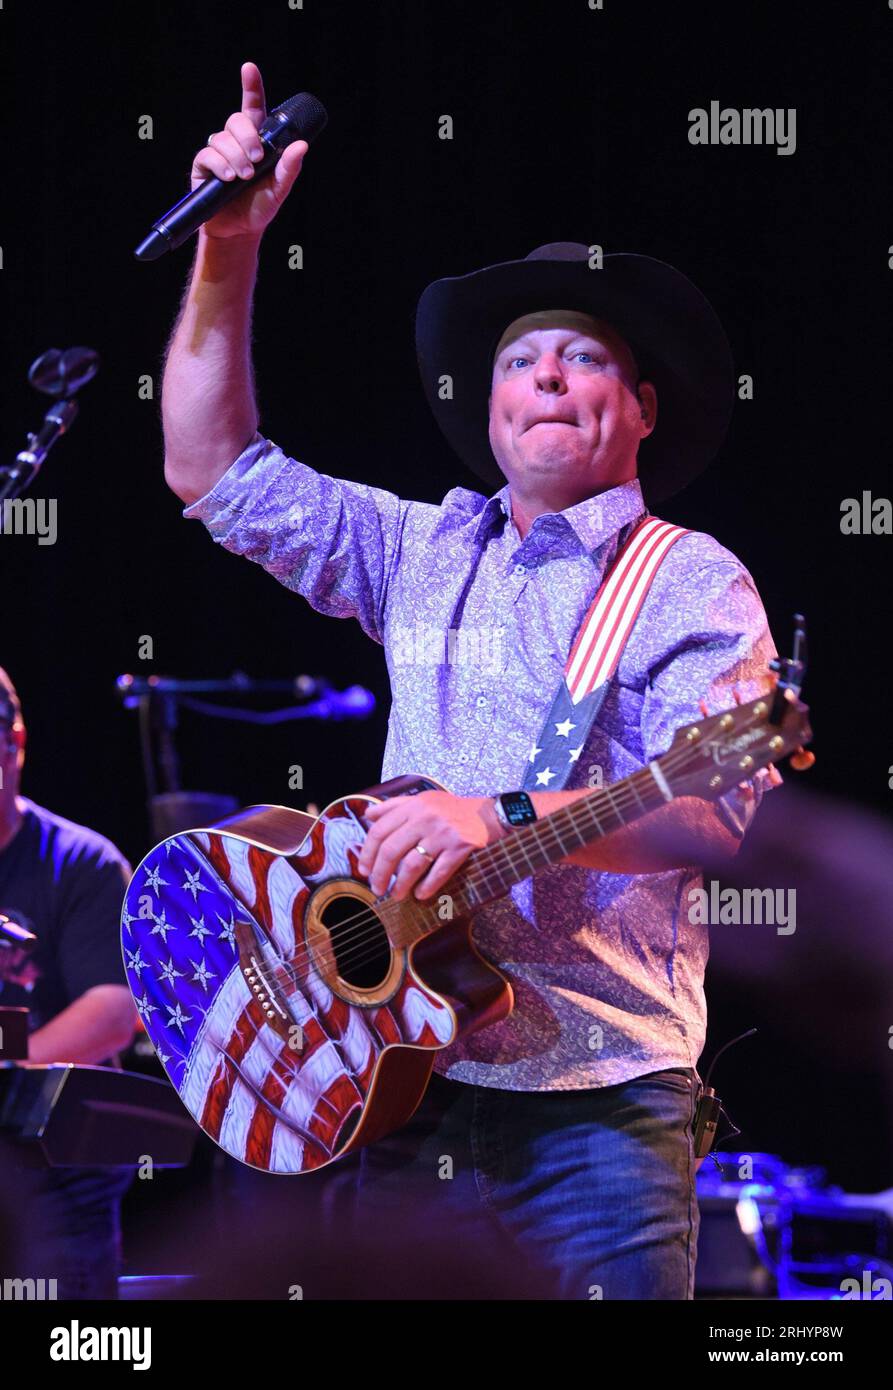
704, 760
490, 872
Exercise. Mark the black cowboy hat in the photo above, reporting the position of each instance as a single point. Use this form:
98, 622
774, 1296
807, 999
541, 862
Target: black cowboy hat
675, 335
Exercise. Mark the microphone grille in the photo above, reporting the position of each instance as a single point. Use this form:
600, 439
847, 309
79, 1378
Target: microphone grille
304, 114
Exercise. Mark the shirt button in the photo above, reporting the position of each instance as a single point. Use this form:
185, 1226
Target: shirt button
520, 569
481, 701
462, 757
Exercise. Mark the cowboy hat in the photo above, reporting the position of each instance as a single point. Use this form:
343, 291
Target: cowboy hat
672, 330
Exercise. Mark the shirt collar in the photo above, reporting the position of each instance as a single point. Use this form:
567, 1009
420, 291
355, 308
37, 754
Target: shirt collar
593, 521
495, 508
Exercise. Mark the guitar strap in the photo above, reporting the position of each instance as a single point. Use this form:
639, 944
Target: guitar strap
596, 652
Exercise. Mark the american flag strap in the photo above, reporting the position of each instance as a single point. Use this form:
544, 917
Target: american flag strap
609, 621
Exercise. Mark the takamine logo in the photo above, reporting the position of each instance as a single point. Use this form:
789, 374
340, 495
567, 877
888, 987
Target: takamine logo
721, 750
76, 1343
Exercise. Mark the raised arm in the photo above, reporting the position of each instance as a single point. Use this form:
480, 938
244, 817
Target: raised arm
208, 405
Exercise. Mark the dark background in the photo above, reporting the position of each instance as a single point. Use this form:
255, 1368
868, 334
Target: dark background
569, 124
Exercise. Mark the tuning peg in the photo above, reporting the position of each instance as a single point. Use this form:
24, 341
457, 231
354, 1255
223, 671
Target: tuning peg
802, 759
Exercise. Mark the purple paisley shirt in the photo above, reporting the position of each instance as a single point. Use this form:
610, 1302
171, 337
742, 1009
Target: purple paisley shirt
476, 624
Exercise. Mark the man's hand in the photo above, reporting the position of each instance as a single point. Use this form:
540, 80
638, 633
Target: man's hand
232, 153
450, 828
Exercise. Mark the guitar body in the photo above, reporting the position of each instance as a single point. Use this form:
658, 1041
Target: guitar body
291, 1026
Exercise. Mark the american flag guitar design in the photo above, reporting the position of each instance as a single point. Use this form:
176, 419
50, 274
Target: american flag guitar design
297, 1014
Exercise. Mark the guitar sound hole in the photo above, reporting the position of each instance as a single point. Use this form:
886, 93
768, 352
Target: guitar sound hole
359, 941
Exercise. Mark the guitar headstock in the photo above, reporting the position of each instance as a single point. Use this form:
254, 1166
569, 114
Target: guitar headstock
714, 755
709, 758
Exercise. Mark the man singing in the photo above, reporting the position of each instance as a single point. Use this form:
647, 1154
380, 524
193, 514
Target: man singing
582, 393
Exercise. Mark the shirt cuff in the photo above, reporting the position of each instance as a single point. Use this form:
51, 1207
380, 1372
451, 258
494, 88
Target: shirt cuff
259, 461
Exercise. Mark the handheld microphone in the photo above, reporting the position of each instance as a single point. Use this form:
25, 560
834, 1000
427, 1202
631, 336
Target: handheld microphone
302, 117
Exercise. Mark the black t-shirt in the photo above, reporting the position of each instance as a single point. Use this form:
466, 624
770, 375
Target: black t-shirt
65, 884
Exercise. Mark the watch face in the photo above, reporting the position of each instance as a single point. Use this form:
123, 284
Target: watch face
518, 808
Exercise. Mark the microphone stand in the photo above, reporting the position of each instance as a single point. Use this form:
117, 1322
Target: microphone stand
159, 700
60, 375
16, 477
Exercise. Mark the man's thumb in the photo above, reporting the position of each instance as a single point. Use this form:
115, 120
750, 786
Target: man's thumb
289, 166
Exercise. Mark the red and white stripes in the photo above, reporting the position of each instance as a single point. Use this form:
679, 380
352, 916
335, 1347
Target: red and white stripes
602, 636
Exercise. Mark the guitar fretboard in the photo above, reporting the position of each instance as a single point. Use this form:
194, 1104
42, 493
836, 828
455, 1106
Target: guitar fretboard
490, 872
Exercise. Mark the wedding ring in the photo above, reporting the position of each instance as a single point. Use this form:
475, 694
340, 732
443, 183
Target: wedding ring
420, 848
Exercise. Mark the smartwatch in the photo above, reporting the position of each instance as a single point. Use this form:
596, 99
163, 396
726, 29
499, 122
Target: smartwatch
514, 809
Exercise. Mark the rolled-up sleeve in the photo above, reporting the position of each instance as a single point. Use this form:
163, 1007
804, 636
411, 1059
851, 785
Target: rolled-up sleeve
721, 646
333, 541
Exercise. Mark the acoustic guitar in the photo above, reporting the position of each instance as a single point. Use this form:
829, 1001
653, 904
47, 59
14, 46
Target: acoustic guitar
297, 1014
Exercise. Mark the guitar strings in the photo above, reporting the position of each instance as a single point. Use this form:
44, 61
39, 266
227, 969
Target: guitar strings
366, 917
505, 849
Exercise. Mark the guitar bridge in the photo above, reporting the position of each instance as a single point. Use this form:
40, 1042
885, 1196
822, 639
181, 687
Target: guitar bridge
260, 977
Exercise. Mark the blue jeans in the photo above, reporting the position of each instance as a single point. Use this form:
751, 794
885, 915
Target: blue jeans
72, 1228
593, 1191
